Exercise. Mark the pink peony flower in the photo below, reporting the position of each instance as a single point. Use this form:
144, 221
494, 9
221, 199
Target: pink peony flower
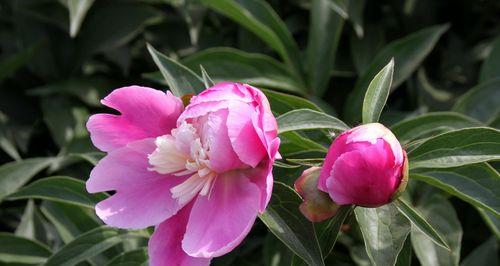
365, 166
200, 175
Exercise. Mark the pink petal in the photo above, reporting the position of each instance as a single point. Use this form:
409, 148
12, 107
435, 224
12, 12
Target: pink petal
338, 147
142, 197
220, 221
223, 91
164, 246
145, 113
244, 138
374, 131
214, 134
365, 177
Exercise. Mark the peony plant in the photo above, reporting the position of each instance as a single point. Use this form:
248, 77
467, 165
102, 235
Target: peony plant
199, 174
282, 133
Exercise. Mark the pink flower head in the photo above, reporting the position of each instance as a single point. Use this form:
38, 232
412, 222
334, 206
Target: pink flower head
365, 166
200, 175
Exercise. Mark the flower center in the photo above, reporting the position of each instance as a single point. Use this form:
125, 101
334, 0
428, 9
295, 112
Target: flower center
181, 153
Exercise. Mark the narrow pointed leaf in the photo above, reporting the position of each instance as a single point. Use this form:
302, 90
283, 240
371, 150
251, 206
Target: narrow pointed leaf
224, 63
282, 103
180, 79
384, 232
259, 17
491, 66
377, 94
408, 53
481, 102
77, 11
302, 119
59, 188
14, 175
431, 123
492, 221
322, 44
138, 257
89, 245
330, 233
439, 212
207, 80
69, 220
15, 249
476, 184
419, 222
457, 148
283, 218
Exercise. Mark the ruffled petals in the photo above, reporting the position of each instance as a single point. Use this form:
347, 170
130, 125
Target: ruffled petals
221, 220
164, 247
142, 197
144, 113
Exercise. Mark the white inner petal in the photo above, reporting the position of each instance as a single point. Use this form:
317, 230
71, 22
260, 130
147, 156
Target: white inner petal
181, 154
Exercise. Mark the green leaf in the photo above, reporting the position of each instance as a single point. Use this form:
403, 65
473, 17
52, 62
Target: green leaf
283, 218
356, 8
484, 255
330, 233
492, 221
408, 54
11, 64
91, 157
65, 119
255, 69
69, 220
138, 257
339, 6
258, 17
456, 148
481, 102
15, 249
308, 119
431, 123
404, 257
292, 142
322, 45
282, 103
59, 188
442, 216
31, 225
363, 50
89, 90
179, 78
207, 80
477, 184
428, 88
384, 232
89, 245
77, 11
275, 252
491, 66
420, 223
377, 94
111, 25
15, 174
7, 143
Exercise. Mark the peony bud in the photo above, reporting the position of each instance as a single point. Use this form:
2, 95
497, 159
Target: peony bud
365, 166
317, 206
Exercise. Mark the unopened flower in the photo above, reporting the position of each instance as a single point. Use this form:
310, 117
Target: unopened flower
317, 205
200, 175
365, 166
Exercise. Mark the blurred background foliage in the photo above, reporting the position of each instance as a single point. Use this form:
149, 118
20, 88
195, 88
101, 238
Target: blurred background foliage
59, 58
